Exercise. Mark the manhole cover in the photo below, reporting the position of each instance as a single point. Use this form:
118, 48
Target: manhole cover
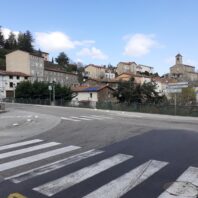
183, 189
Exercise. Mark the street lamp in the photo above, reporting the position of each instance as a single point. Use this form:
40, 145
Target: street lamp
54, 92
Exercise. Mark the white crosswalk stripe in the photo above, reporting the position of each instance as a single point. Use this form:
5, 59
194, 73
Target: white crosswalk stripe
53, 166
10, 146
53, 187
34, 158
85, 118
128, 181
185, 186
29, 149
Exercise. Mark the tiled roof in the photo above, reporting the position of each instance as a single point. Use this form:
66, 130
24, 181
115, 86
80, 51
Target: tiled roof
128, 63
49, 66
9, 73
97, 66
91, 89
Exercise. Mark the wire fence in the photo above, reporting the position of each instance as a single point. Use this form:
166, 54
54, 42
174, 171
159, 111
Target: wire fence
168, 109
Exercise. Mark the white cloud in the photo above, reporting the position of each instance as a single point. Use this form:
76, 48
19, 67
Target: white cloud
7, 31
54, 41
139, 44
92, 52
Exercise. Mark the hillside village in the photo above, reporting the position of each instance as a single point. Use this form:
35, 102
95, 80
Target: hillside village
98, 82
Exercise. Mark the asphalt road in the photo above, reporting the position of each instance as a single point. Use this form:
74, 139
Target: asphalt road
72, 153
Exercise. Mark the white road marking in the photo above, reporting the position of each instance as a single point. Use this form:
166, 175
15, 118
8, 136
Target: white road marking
53, 187
34, 158
92, 117
105, 117
15, 124
9, 146
53, 166
27, 150
80, 118
70, 119
185, 185
128, 181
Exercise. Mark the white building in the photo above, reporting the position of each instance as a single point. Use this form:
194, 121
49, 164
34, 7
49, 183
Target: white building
9, 81
143, 68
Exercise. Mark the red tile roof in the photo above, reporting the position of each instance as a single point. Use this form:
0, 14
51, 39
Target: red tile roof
9, 73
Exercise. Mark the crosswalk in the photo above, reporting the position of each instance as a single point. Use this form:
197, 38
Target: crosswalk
13, 154
86, 118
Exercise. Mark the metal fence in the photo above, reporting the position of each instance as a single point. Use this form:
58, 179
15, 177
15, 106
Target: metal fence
168, 109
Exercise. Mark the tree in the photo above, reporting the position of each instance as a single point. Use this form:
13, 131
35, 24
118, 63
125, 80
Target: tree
11, 42
39, 90
2, 40
62, 59
130, 92
25, 41
187, 96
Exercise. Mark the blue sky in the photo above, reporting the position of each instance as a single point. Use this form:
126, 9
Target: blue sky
149, 32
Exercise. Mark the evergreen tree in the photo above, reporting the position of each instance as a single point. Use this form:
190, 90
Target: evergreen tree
62, 59
2, 40
25, 41
11, 42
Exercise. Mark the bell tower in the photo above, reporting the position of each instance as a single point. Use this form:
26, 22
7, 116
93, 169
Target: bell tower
178, 59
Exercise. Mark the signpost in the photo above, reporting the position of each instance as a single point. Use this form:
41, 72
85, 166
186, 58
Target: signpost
176, 88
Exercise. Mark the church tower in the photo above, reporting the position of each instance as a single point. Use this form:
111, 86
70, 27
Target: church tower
178, 59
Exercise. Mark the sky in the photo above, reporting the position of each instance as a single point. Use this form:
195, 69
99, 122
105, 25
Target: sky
149, 32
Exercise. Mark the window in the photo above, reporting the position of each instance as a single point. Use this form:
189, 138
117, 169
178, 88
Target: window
91, 95
26, 77
11, 77
18, 77
11, 84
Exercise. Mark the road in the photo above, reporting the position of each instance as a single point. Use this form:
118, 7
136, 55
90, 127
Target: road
71, 153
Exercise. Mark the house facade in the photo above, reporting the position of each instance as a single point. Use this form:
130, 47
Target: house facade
53, 72
126, 67
144, 68
30, 64
9, 81
95, 71
94, 94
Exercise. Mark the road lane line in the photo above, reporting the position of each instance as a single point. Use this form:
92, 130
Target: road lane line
34, 158
92, 117
185, 185
80, 118
70, 119
53, 187
53, 166
105, 117
27, 150
120, 186
9, 146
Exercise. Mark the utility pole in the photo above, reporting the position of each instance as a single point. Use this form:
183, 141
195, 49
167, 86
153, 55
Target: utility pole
175, 103
54, 93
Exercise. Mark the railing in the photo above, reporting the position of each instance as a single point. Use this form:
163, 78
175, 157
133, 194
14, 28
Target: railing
168, 109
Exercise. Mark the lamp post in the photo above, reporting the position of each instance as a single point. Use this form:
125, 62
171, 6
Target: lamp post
54, 92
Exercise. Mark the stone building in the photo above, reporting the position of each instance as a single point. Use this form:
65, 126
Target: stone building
35, 66
54, 72
126, 67
183, 72
25, 62
95, 71
9, 81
